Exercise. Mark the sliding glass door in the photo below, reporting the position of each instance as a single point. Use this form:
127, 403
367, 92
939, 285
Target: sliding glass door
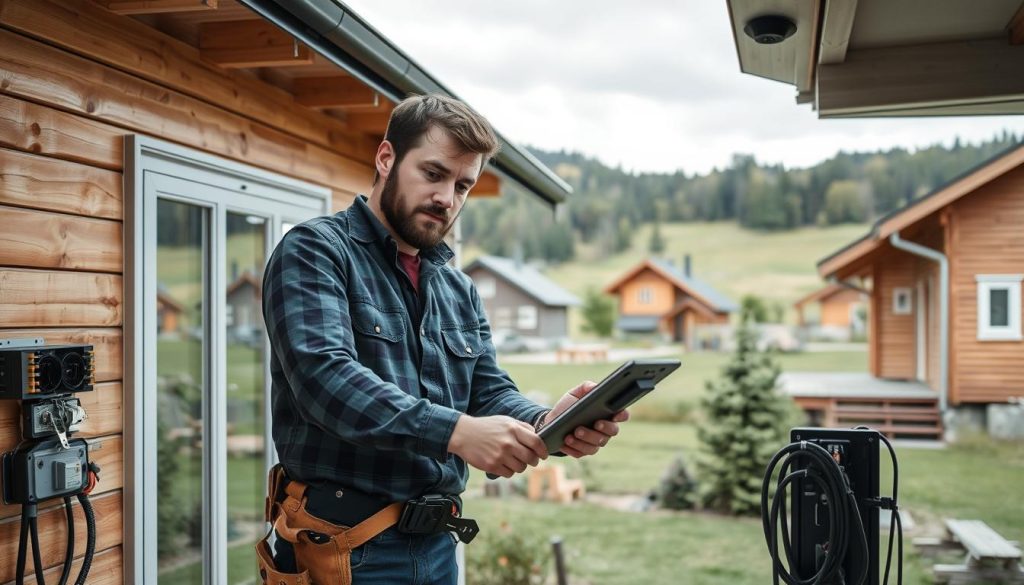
199, 412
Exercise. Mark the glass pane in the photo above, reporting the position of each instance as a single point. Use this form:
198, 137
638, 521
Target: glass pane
181, 343
999, 307
246, 242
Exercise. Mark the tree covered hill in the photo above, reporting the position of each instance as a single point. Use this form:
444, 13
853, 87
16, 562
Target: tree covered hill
609, 204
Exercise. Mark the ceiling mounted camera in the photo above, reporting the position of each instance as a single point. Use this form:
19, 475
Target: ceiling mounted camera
770, 29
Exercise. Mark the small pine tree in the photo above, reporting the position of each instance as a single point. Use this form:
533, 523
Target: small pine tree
598, 313
678, 489
747, 420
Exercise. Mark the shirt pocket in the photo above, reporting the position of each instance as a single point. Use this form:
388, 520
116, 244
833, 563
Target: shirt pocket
378, 332
462, 346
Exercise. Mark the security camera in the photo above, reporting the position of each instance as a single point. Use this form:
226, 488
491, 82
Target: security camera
770, 29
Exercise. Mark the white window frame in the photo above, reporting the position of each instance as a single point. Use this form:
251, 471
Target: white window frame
503, 318
986, 284
905, 308
152, 170
487, 287
645, 295
526, 317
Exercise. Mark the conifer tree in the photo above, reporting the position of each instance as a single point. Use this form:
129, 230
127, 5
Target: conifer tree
747, 422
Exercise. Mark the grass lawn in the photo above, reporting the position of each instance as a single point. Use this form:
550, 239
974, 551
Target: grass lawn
979, 479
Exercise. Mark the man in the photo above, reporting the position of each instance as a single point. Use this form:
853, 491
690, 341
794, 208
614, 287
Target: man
384, 379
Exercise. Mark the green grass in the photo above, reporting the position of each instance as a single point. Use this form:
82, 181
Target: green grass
978, 479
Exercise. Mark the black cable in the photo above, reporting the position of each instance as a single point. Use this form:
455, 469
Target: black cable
895, 522
36, 556
825, 473
69, 551
22, 548
90, 543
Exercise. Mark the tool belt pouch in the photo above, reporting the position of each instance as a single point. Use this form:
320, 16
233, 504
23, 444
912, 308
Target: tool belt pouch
322, 550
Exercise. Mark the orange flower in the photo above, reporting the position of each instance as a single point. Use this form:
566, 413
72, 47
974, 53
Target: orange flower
503, 561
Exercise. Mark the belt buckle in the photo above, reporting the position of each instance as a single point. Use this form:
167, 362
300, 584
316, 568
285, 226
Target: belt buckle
433, 514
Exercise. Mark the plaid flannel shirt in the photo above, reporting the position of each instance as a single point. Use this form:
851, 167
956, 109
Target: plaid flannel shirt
359, 397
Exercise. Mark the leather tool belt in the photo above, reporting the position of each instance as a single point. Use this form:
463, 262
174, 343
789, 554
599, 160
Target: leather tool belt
323, 548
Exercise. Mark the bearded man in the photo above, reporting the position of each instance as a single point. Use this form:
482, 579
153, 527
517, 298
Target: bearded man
384, 379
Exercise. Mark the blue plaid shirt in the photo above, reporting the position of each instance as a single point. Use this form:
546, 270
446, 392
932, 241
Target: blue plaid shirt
365, 394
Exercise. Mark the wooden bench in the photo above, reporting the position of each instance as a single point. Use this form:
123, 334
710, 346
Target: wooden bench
560, 489
990, 557
582, 353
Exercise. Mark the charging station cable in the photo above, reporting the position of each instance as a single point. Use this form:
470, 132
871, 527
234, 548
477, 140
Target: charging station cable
895, 522
824, 472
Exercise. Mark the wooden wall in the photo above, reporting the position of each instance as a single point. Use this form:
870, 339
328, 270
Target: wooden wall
893, 335
74, 80
986, 238
662, 295
835, 309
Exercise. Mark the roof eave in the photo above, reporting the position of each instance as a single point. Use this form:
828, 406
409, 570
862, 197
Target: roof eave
340, 35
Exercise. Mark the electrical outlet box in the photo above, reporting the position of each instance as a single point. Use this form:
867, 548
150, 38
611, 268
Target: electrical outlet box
46, 418
856, 452
44, 470
46, 371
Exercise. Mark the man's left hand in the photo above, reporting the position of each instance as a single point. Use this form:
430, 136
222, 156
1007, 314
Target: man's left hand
586, 440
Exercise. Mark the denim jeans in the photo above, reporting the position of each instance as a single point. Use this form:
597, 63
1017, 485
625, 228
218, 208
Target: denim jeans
393, 558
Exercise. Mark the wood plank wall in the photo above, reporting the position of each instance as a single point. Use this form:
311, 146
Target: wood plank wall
986, 238
74, 80
894, 334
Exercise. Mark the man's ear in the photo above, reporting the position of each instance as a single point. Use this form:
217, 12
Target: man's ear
385, 159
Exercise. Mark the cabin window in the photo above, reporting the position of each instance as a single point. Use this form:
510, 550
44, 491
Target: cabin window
999, 306
645, 295
901, 304
526, 318
503, 318
486, 287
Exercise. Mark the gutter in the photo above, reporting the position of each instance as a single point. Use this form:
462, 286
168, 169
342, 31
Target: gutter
925, 252
336, 32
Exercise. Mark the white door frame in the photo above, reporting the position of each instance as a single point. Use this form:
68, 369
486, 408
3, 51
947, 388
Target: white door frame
154, 166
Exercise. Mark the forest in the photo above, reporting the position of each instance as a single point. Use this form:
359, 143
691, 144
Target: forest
609, 203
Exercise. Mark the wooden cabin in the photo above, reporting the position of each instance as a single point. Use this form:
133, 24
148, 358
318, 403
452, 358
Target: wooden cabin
951, 261
658, 298
149, 144
832, 312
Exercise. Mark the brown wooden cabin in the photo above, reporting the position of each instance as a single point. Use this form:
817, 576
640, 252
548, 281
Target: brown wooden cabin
836, 308
656, 297
281, 104
973, 223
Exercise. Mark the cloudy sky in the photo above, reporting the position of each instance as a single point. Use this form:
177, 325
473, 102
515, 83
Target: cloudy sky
652, 89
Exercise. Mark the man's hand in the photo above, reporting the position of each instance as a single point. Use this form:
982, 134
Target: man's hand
585, 440
499, 444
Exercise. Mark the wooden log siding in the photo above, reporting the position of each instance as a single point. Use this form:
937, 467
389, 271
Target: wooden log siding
894, 333
42, 73
74, 80
38, 182
52, 532
986, 239
85, 28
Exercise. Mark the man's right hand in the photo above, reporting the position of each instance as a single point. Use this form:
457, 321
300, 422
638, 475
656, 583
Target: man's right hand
498, 444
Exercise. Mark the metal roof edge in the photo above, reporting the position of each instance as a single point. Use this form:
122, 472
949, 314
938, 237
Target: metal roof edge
335, 31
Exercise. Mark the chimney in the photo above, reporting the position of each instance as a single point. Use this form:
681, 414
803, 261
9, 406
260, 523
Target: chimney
686, 266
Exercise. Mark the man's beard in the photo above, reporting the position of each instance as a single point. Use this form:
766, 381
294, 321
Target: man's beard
406, 226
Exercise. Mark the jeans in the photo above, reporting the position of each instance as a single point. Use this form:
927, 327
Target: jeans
393, 558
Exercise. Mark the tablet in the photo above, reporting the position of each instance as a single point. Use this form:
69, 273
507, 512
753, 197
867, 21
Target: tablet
630, 382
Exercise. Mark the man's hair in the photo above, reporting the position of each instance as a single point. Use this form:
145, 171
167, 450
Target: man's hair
414, 116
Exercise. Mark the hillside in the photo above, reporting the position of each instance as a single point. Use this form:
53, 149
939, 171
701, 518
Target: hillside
777, 266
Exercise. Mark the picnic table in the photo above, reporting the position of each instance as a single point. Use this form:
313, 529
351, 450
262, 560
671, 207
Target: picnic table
990, 557
594, 352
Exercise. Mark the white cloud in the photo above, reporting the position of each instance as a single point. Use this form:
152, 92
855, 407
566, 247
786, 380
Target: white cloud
653, 85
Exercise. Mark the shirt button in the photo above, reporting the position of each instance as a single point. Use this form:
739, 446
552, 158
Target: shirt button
376, 328
423, 331
469, 349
